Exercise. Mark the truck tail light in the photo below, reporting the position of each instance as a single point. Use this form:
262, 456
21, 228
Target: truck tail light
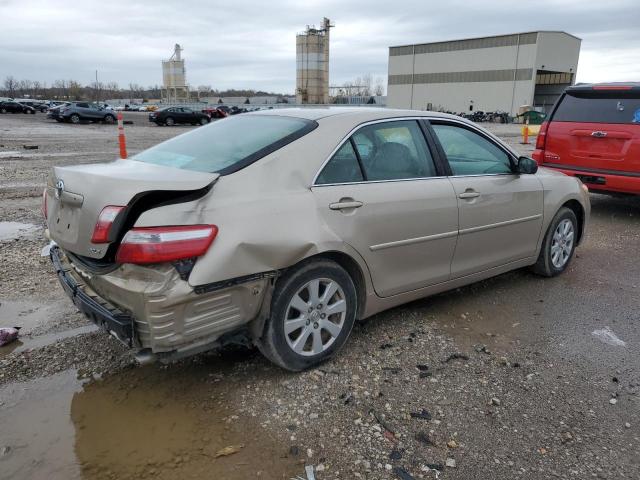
103, 225
44, 204
145, 245
541, 143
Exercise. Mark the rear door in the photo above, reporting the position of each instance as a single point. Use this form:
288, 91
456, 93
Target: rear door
500, 212
383, 194
598, 130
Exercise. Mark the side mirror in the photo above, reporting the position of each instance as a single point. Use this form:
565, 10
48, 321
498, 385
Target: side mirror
527, 165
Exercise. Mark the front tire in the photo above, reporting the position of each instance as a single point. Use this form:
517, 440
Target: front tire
169, 121
109, 119
75, 119
313, 310
558, 245
204, 121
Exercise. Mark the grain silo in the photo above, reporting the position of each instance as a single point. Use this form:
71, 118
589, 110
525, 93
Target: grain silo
174, 78
312, 64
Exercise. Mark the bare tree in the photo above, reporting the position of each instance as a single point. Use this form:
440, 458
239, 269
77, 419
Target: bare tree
10, 85
379, 87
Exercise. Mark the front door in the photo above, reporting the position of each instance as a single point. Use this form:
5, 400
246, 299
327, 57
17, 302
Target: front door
500, 212
382, 194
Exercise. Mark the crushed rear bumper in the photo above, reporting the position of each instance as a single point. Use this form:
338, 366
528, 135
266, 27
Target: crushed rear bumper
99, 311
152, 309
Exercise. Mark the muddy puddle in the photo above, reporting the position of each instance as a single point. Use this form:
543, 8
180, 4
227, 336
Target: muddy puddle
13, 230
34, 320
148, 422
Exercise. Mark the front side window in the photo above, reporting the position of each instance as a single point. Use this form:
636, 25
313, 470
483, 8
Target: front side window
227, 145
469, 153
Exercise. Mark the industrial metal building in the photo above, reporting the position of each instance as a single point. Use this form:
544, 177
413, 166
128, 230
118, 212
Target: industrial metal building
502, 72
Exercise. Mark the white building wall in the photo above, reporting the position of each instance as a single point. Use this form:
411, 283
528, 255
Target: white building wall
557, 51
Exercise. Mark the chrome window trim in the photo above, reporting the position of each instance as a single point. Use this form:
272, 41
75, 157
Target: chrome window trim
491, 138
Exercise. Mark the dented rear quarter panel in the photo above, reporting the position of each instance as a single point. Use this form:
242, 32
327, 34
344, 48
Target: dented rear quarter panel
267, 215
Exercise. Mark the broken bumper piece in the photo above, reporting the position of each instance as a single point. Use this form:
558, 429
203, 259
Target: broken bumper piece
99, 311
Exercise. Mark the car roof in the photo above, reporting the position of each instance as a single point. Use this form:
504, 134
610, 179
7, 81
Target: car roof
364, 113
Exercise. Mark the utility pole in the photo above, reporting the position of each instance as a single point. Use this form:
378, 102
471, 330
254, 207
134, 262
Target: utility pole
97, 91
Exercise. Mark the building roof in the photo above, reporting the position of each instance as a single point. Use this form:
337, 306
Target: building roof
485, 37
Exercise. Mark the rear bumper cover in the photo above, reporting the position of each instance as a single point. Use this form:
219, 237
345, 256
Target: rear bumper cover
96, 309
152, 308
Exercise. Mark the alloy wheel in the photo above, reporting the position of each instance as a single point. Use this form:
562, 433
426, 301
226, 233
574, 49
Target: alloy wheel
562, 243
315, 316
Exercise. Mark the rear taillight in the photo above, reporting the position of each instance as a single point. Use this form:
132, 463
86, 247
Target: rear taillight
612, 87
44, 204
146, 245
542, 136
103, 225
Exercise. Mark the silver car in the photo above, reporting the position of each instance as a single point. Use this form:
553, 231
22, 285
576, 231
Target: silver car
284, 227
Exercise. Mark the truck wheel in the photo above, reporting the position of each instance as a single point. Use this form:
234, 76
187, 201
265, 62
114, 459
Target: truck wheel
313, 310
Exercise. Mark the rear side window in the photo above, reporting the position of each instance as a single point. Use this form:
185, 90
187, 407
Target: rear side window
590, 109
342, 168
227, 145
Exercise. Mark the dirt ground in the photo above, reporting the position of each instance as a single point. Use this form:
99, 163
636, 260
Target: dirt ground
513, 377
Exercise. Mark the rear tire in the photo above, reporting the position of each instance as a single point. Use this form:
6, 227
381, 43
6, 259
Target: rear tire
559, 244
313, 309
3, 110
204, 121
169, 122
109, 119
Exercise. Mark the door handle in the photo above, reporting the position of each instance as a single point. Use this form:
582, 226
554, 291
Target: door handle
345, 204
599, 134
469, 194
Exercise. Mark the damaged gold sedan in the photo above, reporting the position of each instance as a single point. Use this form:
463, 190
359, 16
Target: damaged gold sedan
282, 228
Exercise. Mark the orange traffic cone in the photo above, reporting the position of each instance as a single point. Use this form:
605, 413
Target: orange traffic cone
121, 140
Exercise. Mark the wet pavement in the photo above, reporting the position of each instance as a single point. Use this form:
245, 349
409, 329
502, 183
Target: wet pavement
151, 422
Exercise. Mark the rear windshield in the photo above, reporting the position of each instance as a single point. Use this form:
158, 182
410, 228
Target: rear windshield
227, 145
594, 109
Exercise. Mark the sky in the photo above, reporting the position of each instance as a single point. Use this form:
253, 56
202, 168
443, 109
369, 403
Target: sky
251, 44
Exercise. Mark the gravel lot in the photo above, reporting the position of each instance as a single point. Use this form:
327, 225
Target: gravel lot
513, 377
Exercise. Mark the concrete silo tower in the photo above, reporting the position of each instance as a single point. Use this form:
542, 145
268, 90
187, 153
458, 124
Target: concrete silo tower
312, 64
174, 78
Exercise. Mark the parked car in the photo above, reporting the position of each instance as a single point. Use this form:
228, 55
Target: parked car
15, 107
215, 112
75, 112
236, 110
53, 111
593, 133
285, 227
37, 106
174, 115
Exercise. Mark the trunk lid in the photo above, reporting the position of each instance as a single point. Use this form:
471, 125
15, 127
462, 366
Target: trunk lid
77, 194
596, 130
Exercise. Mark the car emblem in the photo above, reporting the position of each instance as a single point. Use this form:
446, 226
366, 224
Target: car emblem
59, 188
